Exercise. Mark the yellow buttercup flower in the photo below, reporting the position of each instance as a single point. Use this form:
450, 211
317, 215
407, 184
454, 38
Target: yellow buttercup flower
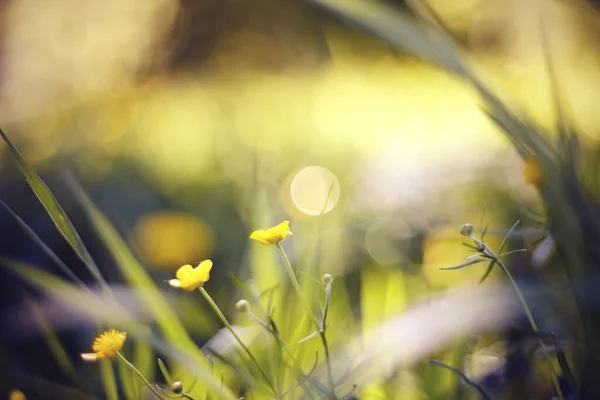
106, 345
272, 235
190, 278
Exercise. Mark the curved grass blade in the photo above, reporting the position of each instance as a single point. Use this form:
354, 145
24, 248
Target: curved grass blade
108, 380
53, 342
165, 372
168, 321
107, 311
49, 252
469, 382
400, 30
55, 211
487, 271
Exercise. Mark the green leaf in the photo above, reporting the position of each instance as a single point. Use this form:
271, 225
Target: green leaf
469, 382
487, 271
106, 311
49, 252
54, 210
54, 344
165, 372
400, 30
149, 294
109, 381
143, 359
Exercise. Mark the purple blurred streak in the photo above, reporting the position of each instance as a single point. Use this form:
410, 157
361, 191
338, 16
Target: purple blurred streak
86, 308
418, 333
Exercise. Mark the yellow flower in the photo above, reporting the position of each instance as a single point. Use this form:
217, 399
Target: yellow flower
106, 345
272, 235
189, 278
533, 171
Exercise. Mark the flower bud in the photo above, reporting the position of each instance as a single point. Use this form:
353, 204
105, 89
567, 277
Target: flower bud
327, 279
243, 306
177, 387
466, 230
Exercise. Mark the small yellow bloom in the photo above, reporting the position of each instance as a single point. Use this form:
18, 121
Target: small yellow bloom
272, 235
106, 345
190, 278
533, 171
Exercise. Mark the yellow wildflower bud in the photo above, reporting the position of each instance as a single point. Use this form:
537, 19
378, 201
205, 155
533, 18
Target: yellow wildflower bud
106, 345
272, 235
190, 278
533, 171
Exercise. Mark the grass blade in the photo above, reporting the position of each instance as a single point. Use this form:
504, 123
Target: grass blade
165, 372
54, 344
400, 30
487, 271
54, 210
49, 252
106, 311
469, 382
138, 278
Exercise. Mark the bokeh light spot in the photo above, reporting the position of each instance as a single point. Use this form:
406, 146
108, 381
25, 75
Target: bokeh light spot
171, 239
312, 187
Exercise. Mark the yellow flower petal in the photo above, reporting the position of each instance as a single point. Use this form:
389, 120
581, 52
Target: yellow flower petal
184, 272
189, 278
106, 345
272, 235
202, 271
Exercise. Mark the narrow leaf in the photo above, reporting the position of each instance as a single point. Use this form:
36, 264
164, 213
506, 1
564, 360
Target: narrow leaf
49, 252
55, 211
53, 342
469, 382
505, 240
488, 271
165, 372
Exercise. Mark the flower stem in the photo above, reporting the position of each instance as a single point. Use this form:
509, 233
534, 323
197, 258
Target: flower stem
141, 376
217, 310
529, 316
320, 327
296, 285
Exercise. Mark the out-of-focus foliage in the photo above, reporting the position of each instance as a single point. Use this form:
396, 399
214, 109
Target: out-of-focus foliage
193, 123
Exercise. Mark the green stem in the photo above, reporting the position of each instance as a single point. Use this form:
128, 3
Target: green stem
296, 285
217, 310
320, 327
529, 316
141, 376
328, 363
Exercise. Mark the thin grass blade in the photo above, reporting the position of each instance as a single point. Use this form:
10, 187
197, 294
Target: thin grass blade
55, 211
469, 382
165, 372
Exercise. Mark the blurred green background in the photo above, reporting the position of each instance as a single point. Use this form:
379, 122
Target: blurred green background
193, 122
